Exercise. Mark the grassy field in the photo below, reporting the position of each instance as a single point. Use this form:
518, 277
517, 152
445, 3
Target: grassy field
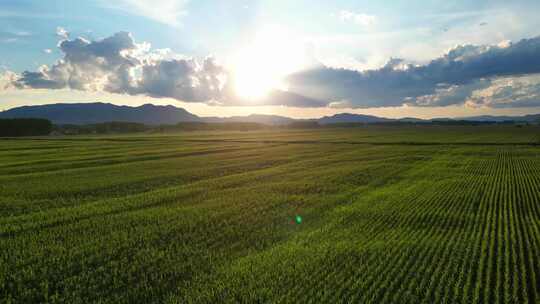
426, 214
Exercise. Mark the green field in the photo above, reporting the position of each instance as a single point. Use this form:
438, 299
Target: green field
403, 214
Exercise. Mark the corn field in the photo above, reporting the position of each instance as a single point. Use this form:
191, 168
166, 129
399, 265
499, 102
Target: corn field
361, 215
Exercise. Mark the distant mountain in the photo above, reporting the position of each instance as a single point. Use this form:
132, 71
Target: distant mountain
490, 118
359, 118
90, 113
351, 118
257, 118
411, 119
443, 119
532, 118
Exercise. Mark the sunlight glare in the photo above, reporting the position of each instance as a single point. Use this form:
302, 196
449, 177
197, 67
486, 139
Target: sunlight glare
261, 66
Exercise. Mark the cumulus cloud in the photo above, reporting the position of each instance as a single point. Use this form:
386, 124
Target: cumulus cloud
182, 79
504, 75
118, 64
86, 65
62, 33
340, 104
508, 92
446, 95
450, 79
7, 78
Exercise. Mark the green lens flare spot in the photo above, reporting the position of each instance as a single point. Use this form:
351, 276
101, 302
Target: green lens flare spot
298, 219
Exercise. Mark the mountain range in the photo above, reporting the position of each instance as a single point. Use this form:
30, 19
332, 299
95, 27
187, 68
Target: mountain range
91, 113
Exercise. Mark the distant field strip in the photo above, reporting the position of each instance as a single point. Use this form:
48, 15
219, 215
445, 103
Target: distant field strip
423, 215
392, 143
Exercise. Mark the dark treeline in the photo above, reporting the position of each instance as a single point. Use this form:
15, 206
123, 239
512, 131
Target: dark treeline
25, 127
423, 123
203, 126
308, 124
102, 128
129, 127
37, 127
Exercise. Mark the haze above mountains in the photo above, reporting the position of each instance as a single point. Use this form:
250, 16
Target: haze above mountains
91, 113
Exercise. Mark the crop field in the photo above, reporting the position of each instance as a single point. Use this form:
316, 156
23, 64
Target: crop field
378, 214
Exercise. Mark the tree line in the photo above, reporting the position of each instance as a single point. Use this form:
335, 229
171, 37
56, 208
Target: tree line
25, 127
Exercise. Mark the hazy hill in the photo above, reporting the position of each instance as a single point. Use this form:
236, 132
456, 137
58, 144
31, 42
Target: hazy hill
257, 118
91, 113
490, 118
351, 118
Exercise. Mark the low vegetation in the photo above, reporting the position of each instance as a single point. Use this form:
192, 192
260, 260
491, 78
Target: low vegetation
378, 214
38, 127
25, 127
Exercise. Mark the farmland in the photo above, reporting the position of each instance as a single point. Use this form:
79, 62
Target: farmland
403, 214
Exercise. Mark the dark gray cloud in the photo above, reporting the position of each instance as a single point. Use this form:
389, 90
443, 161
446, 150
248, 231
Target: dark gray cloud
37, 80
182, 79
450, 79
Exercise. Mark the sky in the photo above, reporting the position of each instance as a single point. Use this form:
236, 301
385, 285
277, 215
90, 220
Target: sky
295, 58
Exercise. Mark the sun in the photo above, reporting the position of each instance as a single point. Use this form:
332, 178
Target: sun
263, 64
254, 79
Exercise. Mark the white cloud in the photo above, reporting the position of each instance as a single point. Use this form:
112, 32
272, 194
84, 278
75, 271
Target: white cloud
424, 39
449, 95
164, 11
8, 40
357, 18
485, 75
341, 104
508, 92
117, 64
62, 32
47, 51
504, 44
350, 62
7, 78
22, 33
10, 36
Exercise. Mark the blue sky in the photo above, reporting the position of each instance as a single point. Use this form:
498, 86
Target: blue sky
271, 56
